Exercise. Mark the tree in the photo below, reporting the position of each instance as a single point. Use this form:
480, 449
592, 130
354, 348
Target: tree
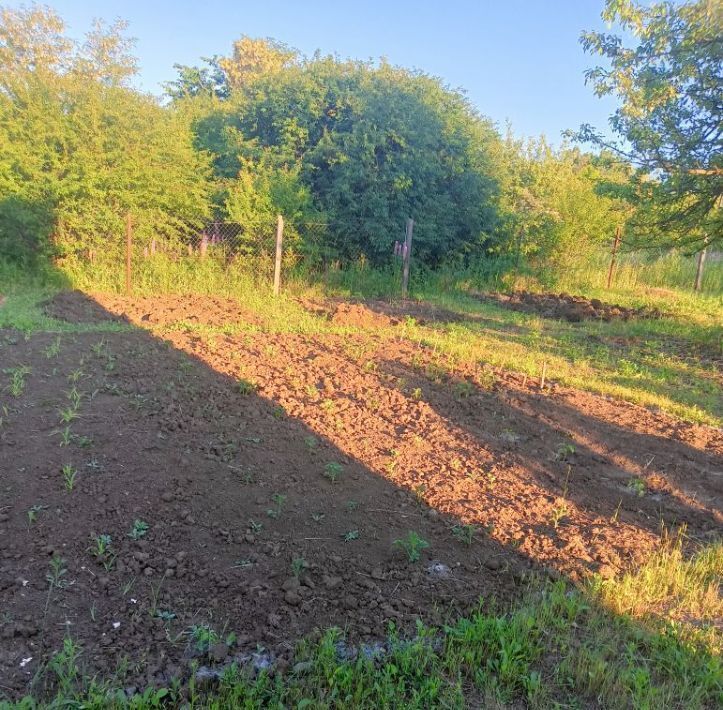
253, 58
670, 122
79, 147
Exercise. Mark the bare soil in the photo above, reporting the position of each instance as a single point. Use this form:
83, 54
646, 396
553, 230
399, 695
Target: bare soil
231, 481
563, 306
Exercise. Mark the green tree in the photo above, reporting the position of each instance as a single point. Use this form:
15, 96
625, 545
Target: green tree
670, 122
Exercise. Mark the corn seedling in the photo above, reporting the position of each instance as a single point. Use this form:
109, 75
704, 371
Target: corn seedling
412, 545
68, 414
256, 527
637, 486
33, 513
102, 550
17, 379
311, 442
564, 451
69, 474
203, 637
53, 349
351, 535
246, 387
317, 517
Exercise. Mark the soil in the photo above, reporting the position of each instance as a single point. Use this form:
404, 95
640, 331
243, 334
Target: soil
563, 306
221, 443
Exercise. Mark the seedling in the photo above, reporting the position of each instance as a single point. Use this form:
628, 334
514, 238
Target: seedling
203, 637
559, 512
412, 545
463, 389
53, 349
317, 517
33, 513
352, 505
56, 573
74, 396
351, 535
242, 563
17, 379
102, 551
98, 347
68, 414
246, 387
311, 442
66, 436
69, 474
74, 376
417, 393
256, 527
298, 565
333, 471
637, 486
464, 533
139, 530
564, 451
278, 501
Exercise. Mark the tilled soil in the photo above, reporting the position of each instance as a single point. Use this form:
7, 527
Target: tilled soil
222, 444
563, 306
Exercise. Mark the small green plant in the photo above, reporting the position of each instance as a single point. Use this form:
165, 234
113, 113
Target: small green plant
69, 474
68, 414
465, 533
417, 393
17, 378
75, 396
165, 616
246, 387
102, 550
256, 527
278, 500
203, 637
33, 513
559, 512
74, 376
333, 471
637, 486
463, 389
99, 347
564, 451
352, 505
66, 436
139, 530
311, 442
317, 517
56, 573
412, 545
53, 349
351, 535
298, 565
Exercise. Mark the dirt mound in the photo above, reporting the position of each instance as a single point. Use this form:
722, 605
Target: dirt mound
563, 306
359, 316
78, 307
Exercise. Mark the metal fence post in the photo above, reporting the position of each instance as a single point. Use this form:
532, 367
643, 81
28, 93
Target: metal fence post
407, 255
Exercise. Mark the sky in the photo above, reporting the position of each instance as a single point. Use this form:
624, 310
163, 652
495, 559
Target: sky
519, 61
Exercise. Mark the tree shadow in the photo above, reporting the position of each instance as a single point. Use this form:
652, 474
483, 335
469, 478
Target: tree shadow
267, 519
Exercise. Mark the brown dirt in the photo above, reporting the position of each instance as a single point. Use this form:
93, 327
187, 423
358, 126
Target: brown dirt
563, 306
172, 440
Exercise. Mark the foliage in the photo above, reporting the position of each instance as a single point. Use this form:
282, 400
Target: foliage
670, 123
79, 148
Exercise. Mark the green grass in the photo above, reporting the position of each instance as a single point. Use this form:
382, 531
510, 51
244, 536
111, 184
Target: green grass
667, 363
647, 640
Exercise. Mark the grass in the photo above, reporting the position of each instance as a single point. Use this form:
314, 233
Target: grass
646, 640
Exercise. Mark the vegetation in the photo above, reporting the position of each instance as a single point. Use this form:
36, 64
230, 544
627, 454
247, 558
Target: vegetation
557, 646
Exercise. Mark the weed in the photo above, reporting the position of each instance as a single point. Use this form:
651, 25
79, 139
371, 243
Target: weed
417, 393
317, 517
564, 451
256, 527
69, 474
298, 565
637, 486
463, 389
464, 533
559, 512
203, 637
246, 387
278, 500
352, 505
57, 572
311, 442
412, 545
278, 412
165, 616
351, 535
139, 530
419, 491
102, 550
333, 471
33, 512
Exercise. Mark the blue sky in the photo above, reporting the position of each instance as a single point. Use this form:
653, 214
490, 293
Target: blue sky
518, 60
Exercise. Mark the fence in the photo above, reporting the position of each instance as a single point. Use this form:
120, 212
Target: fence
263, 248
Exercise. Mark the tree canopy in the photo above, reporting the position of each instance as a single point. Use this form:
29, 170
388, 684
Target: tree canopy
670, 121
